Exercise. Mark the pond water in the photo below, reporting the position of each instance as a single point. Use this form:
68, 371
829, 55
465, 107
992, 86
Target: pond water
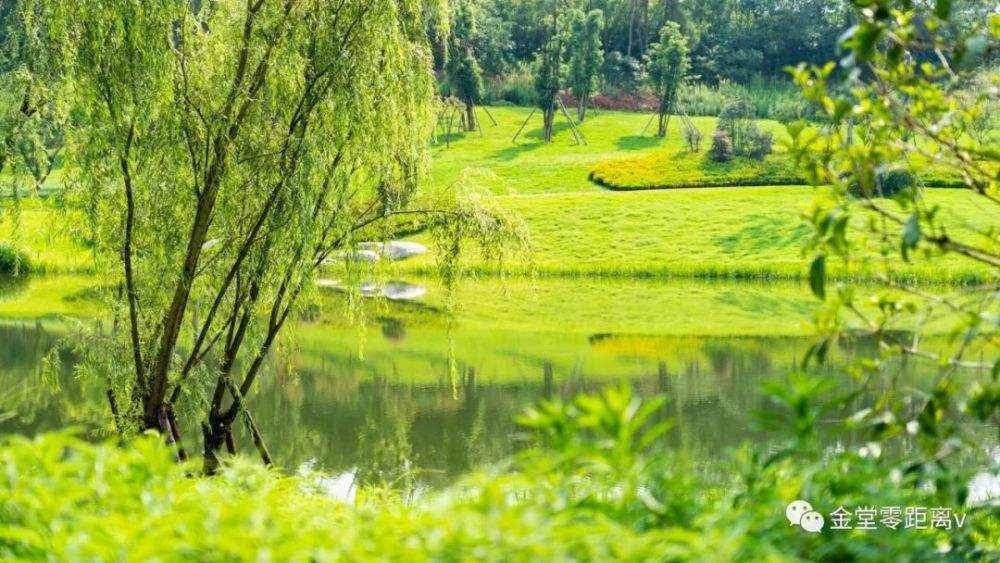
380, 404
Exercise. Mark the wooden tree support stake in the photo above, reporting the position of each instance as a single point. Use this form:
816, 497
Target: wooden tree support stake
572, 125
258, 439
533, 110
490, 115
648, 123
479, 124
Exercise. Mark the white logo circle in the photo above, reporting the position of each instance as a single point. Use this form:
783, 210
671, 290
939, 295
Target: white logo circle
795, 510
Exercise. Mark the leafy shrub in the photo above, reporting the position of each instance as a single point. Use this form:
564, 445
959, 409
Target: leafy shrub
693, 137
736, 120
515, 88
747, 139
759, 143
14, 261
894, 182
722, 148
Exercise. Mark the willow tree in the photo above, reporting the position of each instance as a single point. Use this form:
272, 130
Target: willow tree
227, 150
667, 64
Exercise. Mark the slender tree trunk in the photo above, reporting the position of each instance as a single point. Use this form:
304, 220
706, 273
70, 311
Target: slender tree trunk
470, 115
631, 25
581, 107
644, 29
549, 115
664, 119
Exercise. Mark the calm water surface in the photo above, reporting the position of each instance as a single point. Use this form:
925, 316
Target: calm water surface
381, 405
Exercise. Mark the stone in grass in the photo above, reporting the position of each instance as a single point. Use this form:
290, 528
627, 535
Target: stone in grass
395, 250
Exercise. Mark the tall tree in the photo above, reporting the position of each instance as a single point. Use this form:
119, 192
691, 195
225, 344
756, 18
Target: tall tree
226, 152
586, 56
549, 68
464, 75
666, 66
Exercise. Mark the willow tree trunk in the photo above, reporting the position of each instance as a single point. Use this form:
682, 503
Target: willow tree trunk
581, 108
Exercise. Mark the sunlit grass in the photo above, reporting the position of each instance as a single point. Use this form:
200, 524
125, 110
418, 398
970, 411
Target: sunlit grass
530, 166
718, 233
46, 233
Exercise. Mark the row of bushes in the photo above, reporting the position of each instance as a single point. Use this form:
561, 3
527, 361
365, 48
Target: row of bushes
601, 488
780, 101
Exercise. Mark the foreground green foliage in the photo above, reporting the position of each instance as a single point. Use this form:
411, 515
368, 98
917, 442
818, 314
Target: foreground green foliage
594, 488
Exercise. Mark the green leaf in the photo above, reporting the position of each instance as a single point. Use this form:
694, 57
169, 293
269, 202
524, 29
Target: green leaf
817, 276
942, 9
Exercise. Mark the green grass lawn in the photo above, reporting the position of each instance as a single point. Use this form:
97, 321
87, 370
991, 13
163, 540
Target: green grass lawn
754, 233
530, 166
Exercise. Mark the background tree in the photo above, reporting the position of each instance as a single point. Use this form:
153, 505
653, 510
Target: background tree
586, 56
494, 45
549, 68
667, 64
465, 78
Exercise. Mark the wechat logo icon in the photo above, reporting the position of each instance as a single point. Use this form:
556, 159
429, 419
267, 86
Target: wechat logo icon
801, 513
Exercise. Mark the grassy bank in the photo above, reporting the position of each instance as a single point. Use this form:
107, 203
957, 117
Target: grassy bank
713, 233
724, 233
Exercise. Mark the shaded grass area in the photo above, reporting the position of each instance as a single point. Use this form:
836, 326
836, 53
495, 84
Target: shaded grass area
726, 233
